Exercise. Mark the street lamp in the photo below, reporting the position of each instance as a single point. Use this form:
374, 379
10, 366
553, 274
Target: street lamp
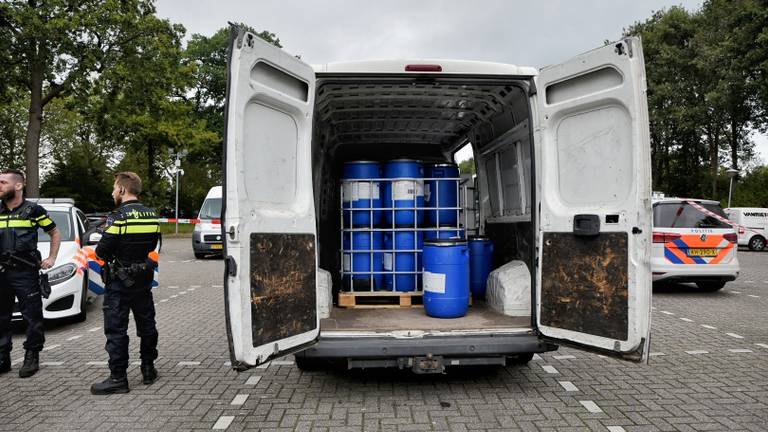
178, 172
731, 173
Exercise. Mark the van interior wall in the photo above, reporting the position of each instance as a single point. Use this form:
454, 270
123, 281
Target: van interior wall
415, 119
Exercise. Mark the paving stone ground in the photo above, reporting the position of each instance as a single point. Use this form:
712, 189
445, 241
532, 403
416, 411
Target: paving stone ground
709, 371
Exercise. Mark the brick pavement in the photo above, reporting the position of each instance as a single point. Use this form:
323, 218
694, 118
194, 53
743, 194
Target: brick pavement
683, 388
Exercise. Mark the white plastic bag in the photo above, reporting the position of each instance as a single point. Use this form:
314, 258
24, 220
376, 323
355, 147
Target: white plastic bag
324, 293
509, 289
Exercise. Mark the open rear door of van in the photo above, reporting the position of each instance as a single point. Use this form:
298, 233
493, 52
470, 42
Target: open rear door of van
594, 277
269, 213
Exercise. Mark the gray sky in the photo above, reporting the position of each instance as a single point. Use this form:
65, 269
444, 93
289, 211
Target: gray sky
525, 33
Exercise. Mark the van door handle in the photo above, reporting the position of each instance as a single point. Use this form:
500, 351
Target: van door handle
586, 225
636, 230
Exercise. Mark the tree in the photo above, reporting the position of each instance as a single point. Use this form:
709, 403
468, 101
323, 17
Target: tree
467, 166
55, 48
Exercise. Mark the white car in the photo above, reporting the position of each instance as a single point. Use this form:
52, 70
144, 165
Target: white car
693, 242
753, 226
68, 277
206, 238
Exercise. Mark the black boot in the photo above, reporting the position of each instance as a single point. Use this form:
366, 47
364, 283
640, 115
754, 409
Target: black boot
5, 363
148, 373
116, 383
31, 364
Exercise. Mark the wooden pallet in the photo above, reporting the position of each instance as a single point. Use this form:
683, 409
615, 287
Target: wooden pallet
380, 299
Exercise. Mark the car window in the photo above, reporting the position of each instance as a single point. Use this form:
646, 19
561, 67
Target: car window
682, 215
63, 222
211, 209
83, 221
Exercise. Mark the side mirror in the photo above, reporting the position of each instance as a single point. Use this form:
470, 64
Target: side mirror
93, 238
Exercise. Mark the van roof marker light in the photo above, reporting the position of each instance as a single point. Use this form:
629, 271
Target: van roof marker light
423, 68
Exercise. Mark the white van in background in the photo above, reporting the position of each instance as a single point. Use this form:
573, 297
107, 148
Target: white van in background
753, 226
206, 238
563, 175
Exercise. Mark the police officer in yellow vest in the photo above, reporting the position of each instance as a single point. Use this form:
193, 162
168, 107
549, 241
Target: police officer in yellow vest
20, 264
132, 232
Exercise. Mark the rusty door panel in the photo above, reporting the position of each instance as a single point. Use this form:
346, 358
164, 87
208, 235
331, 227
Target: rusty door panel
584, 284
283, 294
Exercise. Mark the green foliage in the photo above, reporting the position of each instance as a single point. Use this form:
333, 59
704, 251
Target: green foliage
752, 190
81, 174
467, 166
703, 75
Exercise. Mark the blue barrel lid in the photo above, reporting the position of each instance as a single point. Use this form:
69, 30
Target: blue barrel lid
360, 162
445, 242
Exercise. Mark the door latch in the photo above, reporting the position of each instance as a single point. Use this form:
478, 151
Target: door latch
636, 230
230, 266
586, 225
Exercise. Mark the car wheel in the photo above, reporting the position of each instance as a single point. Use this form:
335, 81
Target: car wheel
711, 285
310, 364
519, 359
756, 243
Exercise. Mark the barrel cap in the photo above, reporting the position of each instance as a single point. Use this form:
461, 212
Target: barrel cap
478, 238
456, 241
445, 164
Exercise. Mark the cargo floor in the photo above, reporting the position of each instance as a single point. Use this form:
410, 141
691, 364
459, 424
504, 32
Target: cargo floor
480, 316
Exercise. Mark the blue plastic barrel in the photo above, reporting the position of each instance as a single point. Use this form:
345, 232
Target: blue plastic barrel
444, 233
360, 262
361, 196
446, 278
407, 192
480, 264
441, 193
403, 259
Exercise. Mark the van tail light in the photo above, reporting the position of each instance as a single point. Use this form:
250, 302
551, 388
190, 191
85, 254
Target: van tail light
423, 68
742, 230
664, 237
216, 221
731, 237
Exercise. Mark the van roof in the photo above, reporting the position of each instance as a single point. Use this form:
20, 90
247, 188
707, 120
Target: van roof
464, 67
214, 192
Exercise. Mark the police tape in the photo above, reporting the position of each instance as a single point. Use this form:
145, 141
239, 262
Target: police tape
181, 221
740, 228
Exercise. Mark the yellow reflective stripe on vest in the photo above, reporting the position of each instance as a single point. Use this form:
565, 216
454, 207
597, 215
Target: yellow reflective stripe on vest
44, 222
113, 230
143, 221
141, 229
19, 224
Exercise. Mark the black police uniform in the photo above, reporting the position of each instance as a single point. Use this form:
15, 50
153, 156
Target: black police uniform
132, 232
19, 277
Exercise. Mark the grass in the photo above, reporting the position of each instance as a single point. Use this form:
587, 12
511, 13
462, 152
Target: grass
170, 228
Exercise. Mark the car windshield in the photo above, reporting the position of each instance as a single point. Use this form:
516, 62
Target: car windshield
211, 209
63, 222
683, 215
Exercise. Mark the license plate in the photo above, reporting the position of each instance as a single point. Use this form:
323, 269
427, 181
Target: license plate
217, 246
702, 252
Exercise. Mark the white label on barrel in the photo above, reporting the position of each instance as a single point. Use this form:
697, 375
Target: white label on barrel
407, 189
346, 265
347, 191
361, 191
434, 282
388, 261
426, 192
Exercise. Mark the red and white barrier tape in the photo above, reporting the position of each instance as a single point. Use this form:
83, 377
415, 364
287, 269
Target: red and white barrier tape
740, 228
188, 221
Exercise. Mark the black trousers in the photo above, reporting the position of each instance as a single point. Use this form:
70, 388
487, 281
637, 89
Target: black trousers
24, 285
119, 301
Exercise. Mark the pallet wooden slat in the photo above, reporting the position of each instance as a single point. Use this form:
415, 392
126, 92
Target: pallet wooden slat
379, 299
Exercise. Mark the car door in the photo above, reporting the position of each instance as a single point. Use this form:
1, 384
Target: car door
593, 273
269, 212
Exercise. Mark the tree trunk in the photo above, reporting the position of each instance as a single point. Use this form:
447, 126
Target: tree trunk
34, 126
735, 132
714, 137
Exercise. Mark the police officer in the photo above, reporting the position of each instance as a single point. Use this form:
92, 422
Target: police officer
19, 269
131, 233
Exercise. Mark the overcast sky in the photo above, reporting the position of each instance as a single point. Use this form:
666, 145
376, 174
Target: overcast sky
525, 33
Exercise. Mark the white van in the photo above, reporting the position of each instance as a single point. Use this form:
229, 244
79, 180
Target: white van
753, 225
563, 172
206, 237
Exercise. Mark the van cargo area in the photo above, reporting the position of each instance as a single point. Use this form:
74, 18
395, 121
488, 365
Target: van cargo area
427, 118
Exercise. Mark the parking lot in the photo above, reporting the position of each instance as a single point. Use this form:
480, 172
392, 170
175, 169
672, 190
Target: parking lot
708, 371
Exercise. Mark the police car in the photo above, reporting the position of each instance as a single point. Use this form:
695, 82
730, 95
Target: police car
693, 241
68, 277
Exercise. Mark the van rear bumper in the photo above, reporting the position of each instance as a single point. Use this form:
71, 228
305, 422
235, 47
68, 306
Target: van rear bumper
450, 346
